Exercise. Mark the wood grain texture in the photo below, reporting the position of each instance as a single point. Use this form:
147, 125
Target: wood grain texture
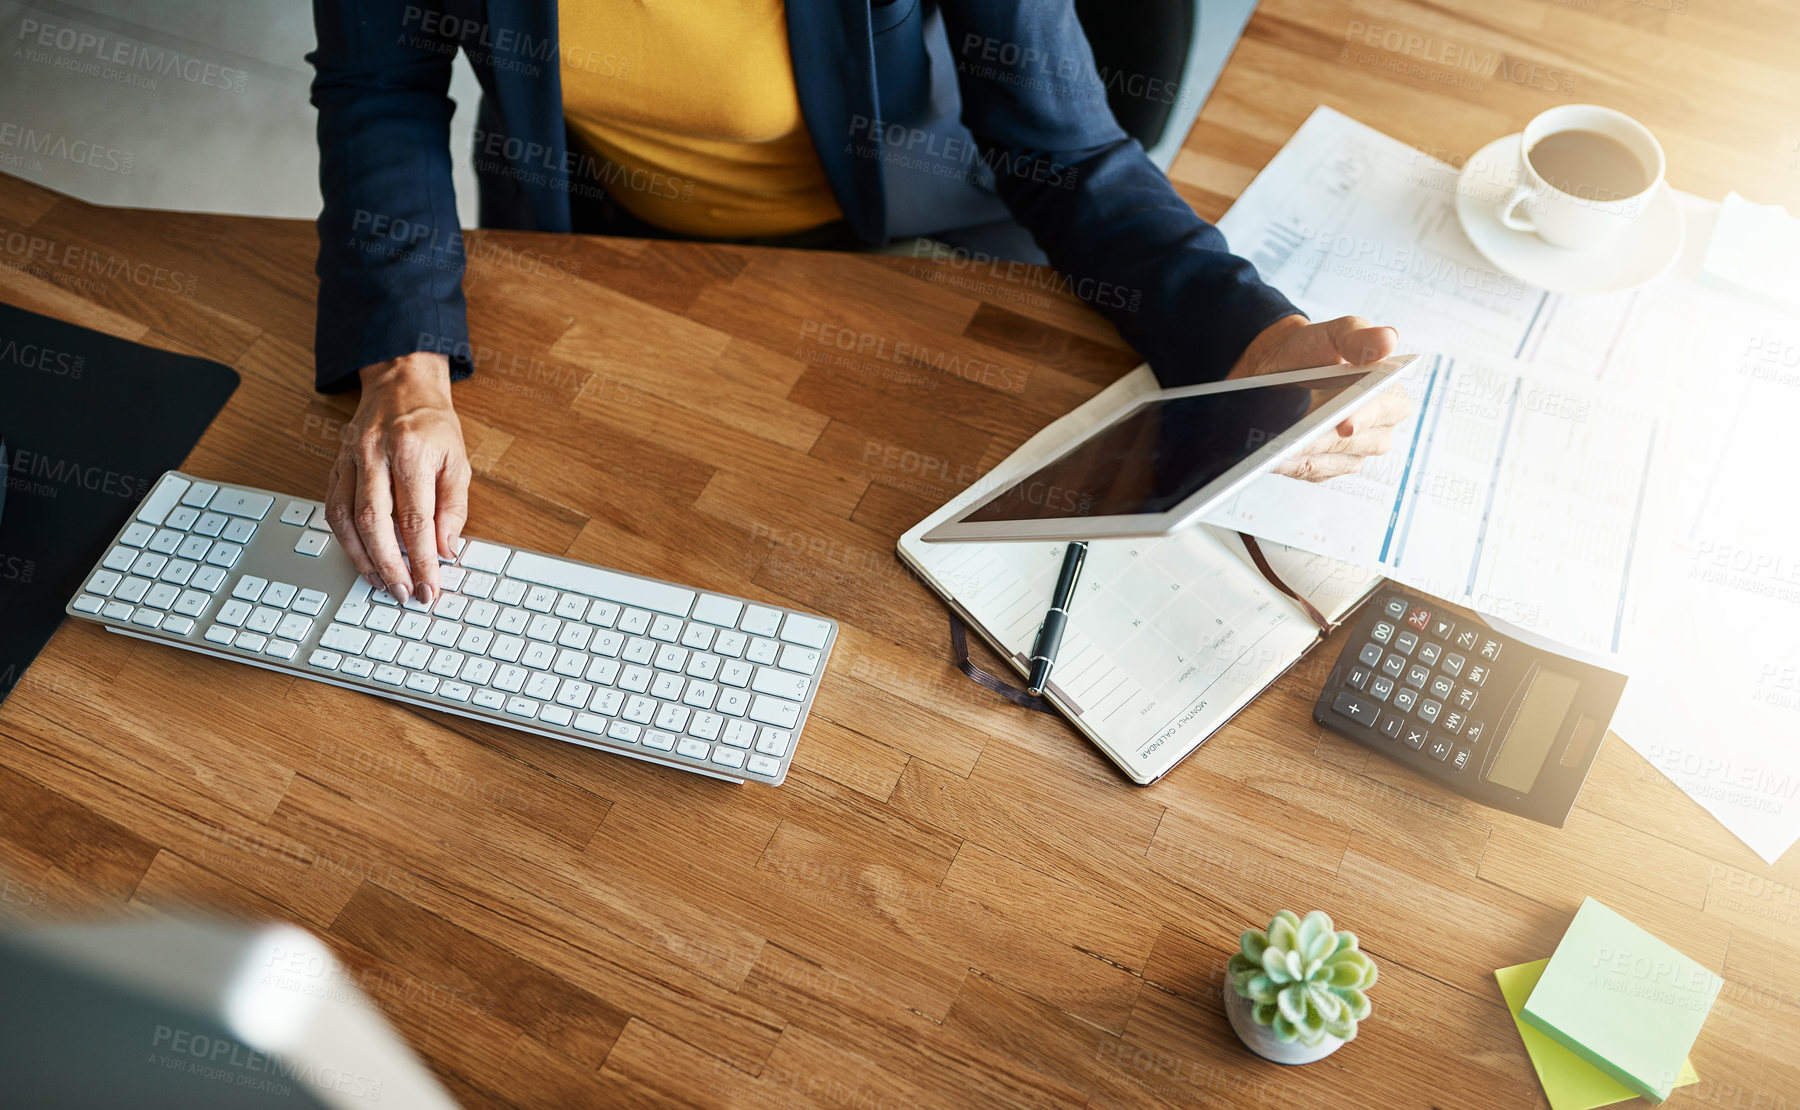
951, 903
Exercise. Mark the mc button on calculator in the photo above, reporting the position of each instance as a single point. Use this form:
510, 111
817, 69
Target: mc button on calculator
1496, 720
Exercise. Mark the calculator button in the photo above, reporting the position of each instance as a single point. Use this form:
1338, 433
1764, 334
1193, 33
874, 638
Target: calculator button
1465, 698
1441, 686
1419, 617
1477, 675
1453, 664
1453, 722
1393, 665
1442, 627
1381, 688
1382, 632
1358, 677
1472, 733
1440, 748
1394, 607
1406, 641
1370, 655
1460, 759
1428, 711
1391, 726
1489, 650
1358, 709
1430, 653
1405, 698
1466, 639
1417, 677
1413, 736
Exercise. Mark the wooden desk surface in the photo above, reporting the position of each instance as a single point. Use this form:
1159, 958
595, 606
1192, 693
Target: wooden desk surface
951, 903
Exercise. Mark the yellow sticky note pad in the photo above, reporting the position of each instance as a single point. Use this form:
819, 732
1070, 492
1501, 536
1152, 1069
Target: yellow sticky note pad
1570, 1083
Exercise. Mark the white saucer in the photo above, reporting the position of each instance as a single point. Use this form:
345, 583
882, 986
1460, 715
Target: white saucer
1641, 252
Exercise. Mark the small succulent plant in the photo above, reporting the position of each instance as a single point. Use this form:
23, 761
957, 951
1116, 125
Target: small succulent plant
1303, 978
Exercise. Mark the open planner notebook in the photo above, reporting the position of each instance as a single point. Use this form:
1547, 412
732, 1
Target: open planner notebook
1167, 638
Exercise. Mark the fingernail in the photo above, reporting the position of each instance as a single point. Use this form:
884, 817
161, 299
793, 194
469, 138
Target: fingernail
424, 593
374, 581
398, 592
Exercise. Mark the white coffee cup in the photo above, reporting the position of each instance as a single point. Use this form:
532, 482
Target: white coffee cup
1570, 218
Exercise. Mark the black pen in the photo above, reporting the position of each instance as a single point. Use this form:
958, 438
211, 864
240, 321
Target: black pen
1049, 637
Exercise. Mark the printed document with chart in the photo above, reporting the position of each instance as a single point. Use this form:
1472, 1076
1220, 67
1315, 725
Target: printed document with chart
1609, 473
1167, 638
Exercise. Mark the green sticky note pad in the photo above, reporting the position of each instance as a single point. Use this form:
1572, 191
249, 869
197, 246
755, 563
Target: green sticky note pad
1622, 1000
1570, 1083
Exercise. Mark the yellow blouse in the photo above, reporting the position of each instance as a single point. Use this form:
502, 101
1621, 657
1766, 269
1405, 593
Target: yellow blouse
694, 110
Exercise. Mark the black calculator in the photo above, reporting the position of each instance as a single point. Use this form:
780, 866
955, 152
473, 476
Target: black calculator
1496, 720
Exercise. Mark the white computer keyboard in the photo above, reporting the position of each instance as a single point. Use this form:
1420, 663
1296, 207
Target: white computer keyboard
702, 681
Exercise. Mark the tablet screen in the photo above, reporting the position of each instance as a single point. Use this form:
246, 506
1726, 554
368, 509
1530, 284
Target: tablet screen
1156, 456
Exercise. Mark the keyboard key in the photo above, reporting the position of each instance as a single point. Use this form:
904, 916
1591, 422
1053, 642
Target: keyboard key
1441, 748
763, 765
194, 548
671, 658
774, 741
704, 666
574, 694
510, 591
210, 524
799, 659
569, 663
1442, 627
412, 626
512, 621
540, 599
1477, 674
340, 637
1405, 642
522, 707
455, 691
556, 715
450, 606
603, 614
488, 557
762, 651
1465, 639
1391, 726
1453, 665
1413, 736
475, 640
208, 579
181, 520
640, 709
1394, 664
199, 494
731, 644
608, 702
179, 571
149, 618
361, 668
445, 664
543, 628
739, 734
628, 733
239, 531
224, 555
507, 649
489, 699
1465, 698
1473, 730
575, 636
167, 494
607, 643
233, 613
318, 520
149, 564
1405, 698
571, 607
312, 543
279, 595
414, 656
722, 611
1428, 710
263, 619
666, 686
760, 620
311, 602
1382, 633
297, 512
1441, 686
1381, 688
1370, 655
806, 631
706, 726
538, 656
444, 633
733, 703
1489, 649
251, 641
700, 695
137, 535
728, 757
356, 604
325, 660
774, 711
220, 634
736, 673
665, 628
384, 648
1429, 654
1417, 677
673, 717
132, 589
420, 683
1357, 708
480, 586
634, 622
87, 603
692, 748
282, 649
511, 678
241, 503
587, 722
391, 675
119, 559
541, 686
697, 636
161, 596
476, 672
1452, 722
768, 680
639, 650
102, 582
1419, 617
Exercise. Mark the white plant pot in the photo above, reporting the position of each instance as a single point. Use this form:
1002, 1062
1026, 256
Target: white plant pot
1261, 1039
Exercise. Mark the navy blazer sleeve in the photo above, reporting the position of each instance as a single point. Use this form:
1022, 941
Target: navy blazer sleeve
1093, 200
390, 248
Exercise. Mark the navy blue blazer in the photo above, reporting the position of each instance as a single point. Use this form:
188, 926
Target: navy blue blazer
927, 115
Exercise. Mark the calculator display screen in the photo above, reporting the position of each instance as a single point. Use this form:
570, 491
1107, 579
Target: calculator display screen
1539, 719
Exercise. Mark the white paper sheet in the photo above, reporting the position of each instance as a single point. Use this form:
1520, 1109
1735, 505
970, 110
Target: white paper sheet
1347, 220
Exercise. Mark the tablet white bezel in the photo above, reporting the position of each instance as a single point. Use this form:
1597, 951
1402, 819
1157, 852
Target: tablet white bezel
1375, 376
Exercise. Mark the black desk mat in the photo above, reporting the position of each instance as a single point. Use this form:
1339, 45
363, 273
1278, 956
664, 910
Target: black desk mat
88, 422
